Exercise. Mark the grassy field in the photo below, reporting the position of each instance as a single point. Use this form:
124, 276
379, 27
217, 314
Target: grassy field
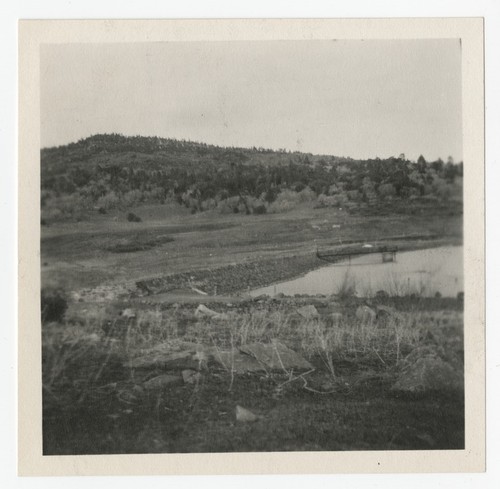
94, 402
76, 255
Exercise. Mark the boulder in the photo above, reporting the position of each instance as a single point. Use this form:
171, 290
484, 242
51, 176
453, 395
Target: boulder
130, 395
245, 416
433, 350
204, 311
190, 376
128, 313
276, 356
261, 297
92, 338
384, 312
164, 360
429, 373
365, 314
308, 312
237, 362
426, 351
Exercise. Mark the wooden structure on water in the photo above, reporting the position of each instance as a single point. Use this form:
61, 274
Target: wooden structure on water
388, 253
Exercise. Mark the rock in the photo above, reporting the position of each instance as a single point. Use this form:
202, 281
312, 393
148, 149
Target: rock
365, 314
432, 351
429, 374
427, 351
92, 338
162, 381
203, 311
262, 297
190, 376
202, 357
276, 356
245, 416
385, 312
166, 360
128, 313
238, 362
130, 395
198, 291
176, 346
308, 312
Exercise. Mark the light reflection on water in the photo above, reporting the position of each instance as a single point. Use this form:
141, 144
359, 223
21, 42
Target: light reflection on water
425, 272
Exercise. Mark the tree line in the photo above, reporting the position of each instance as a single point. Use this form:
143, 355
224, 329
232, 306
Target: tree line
105, 172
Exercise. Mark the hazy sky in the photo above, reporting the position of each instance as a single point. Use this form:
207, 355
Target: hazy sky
346, 98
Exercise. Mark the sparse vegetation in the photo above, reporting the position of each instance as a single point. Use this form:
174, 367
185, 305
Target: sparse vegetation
85, 381
140, 242
131, 217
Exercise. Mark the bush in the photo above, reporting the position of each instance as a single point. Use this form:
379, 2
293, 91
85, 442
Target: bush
285, 201
108, 201
387, 190
53, 305
259, 209
326, 201
72, 207
137, 243
131, 217
228, 206
307, 195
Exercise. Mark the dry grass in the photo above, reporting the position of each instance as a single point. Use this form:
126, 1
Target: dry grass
79, 354
92, 404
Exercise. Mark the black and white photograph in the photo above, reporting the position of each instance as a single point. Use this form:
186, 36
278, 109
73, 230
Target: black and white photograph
252, 246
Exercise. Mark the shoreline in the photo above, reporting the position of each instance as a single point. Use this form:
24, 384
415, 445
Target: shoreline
239, 278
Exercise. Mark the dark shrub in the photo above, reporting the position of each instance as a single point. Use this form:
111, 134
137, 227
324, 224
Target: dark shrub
131, 217
141, 242
260, 209
53, 305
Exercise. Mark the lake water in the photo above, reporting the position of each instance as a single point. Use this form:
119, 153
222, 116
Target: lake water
423, 271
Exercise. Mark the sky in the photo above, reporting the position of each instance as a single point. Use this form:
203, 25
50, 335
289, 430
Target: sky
363, 99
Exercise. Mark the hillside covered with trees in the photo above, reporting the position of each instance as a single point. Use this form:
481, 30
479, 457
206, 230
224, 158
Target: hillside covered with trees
105, 172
